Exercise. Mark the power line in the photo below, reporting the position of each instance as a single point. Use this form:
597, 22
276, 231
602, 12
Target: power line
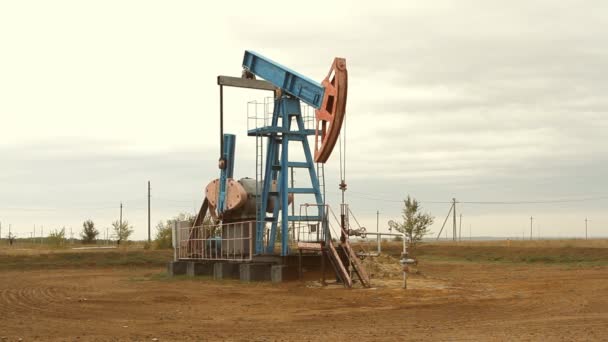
564, 200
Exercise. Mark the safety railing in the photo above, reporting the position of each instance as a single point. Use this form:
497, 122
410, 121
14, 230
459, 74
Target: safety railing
232, 241
259, 114
313, 223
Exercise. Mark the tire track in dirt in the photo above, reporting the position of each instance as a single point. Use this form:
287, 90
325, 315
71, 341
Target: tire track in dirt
31, 298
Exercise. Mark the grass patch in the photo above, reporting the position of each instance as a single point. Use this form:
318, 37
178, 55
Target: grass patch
493, 254
85, 259
581, 253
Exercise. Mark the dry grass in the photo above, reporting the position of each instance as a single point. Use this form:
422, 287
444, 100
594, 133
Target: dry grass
34, 258
572, 252
552, 243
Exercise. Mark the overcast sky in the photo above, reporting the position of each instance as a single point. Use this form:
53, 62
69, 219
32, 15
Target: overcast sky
484, 101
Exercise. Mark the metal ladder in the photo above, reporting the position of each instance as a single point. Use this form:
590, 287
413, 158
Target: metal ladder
321, 177
259, 174
341, 270
338, 266
356, 264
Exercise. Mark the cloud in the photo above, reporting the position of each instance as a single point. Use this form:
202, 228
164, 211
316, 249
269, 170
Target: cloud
477, 100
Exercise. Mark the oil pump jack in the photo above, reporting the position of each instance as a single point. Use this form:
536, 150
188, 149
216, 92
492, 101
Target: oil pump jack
256, 210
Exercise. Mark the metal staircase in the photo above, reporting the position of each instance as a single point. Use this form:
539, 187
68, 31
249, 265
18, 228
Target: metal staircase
346, 264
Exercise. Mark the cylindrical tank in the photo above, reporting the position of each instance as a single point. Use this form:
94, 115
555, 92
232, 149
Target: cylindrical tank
241, 198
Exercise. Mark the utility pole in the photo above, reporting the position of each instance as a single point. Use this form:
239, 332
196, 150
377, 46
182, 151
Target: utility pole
460, 229
586, 236
378, 231
148, 211
444, 222
120, 221
454, 220
531, 219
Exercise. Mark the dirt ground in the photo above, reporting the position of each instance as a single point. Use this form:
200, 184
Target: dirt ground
447, 300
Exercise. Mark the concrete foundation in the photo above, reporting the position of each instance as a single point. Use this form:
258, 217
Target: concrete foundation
262, 268
226, 270
176, 268
255, 272
199, 269
278, 273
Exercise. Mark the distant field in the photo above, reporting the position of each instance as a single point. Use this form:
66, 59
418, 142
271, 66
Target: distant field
574, 252
591, 243
582, 252
18, 257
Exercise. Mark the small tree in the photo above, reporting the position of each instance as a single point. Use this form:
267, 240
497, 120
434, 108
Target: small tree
57, 237
11, 238
415, 223
122, 231
89, 232
163, 235
164, 229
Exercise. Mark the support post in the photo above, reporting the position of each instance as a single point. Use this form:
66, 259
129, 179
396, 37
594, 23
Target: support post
460, 229
221, 120
454, 220
174, 241
149, 238
300, 277
323, 264
378, 231
531, 218
284, 195
404, 253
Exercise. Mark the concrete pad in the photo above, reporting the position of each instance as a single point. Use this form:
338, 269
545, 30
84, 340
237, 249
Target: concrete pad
254, 272
199, 269
278, 273
226, 270
176, 268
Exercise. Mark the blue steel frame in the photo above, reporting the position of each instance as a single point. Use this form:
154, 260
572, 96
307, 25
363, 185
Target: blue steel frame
227, 171
295, 87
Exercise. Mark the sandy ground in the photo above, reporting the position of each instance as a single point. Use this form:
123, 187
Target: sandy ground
446, 301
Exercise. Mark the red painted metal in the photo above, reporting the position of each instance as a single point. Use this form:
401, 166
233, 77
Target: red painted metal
333, 109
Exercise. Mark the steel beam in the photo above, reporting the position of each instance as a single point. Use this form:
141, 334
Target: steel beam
291, 82
239, 82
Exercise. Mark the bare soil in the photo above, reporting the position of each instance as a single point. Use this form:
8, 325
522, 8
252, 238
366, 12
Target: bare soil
446, 300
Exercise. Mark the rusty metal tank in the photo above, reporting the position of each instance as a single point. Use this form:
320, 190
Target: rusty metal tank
241, 199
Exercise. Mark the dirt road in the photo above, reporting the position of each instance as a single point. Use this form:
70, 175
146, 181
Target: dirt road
447, 301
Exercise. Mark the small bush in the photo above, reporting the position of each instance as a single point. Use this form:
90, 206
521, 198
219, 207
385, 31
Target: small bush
57, 237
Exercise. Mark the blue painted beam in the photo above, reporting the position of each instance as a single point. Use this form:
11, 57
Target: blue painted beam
289, 81
269, 130
298, 165
227, 171
314, 218
302, 190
